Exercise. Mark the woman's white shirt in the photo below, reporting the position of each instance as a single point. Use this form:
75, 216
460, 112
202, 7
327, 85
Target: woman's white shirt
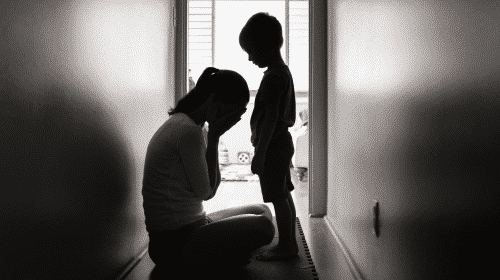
176, 179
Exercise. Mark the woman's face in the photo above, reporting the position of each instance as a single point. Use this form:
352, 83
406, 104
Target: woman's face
220, 109
225, 109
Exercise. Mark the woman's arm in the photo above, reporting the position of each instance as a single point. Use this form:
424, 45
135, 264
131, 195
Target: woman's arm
212, 158
194, 159
219, 127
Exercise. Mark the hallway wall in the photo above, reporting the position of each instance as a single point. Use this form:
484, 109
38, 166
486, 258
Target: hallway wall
84, 85
414, 123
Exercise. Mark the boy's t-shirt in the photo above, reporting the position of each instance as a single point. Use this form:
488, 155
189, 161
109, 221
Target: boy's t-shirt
276, 87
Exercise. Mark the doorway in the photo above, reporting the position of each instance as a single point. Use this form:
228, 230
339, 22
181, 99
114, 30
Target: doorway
211, 32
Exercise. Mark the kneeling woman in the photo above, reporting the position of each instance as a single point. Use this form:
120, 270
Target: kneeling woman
181, 171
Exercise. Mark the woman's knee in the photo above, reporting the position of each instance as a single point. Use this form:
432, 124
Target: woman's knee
264, 207
267, 226
266, 211
260, 222
255, 209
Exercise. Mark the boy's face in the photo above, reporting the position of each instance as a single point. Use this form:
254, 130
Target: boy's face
257, 58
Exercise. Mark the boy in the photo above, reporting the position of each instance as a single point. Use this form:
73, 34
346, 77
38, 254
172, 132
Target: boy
274, 112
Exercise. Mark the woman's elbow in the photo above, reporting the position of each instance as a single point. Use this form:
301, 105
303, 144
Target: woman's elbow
203, 195
208, 196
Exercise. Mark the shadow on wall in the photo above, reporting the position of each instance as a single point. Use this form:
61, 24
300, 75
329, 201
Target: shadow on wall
66, 179
452, 160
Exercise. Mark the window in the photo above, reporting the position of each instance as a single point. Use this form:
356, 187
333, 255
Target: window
318, 53
213, 40
200, 37
213, 31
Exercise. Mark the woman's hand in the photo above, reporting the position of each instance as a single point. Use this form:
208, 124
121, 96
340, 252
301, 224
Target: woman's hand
221, 125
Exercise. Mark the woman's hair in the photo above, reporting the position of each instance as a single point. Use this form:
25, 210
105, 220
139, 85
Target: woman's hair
262, 32
229, 88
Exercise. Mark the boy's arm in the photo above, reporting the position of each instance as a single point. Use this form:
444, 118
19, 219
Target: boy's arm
267, 129
272, 89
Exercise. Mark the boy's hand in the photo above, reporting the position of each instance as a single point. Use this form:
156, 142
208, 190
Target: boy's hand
257, 164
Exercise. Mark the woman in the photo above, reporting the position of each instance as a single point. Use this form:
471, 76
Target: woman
181, 171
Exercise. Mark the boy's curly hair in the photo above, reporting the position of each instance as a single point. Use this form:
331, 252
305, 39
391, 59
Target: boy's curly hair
262, 32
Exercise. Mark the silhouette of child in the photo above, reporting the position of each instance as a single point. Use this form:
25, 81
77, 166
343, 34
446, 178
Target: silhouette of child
273, 114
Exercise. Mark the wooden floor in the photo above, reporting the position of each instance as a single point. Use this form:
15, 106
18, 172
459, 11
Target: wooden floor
300, 268
238, 193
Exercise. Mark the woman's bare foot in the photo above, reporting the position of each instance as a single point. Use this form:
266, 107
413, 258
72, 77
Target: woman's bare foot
279, 253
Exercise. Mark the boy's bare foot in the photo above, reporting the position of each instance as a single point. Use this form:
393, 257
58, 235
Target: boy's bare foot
278, 254
295, 248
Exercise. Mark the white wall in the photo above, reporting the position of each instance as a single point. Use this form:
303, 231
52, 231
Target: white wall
414, 123
84, 85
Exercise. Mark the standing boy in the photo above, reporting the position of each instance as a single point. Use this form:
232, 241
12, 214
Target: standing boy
273, 114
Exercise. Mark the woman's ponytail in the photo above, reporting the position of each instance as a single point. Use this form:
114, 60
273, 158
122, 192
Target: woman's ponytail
205, 81
229, 86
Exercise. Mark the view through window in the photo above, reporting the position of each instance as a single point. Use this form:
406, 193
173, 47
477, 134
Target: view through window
213, 31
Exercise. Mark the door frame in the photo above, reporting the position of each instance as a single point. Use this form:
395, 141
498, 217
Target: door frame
318, 94
318, 108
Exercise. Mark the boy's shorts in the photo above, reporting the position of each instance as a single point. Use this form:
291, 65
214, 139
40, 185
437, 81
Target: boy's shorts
276, 182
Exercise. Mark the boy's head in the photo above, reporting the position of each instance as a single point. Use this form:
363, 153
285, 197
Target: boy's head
261, 34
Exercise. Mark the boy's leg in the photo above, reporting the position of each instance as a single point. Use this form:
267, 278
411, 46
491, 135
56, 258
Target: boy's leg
292, 206
294, 218
276, 185
286, 247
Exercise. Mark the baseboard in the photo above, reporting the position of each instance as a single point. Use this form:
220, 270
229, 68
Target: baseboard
335, 237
